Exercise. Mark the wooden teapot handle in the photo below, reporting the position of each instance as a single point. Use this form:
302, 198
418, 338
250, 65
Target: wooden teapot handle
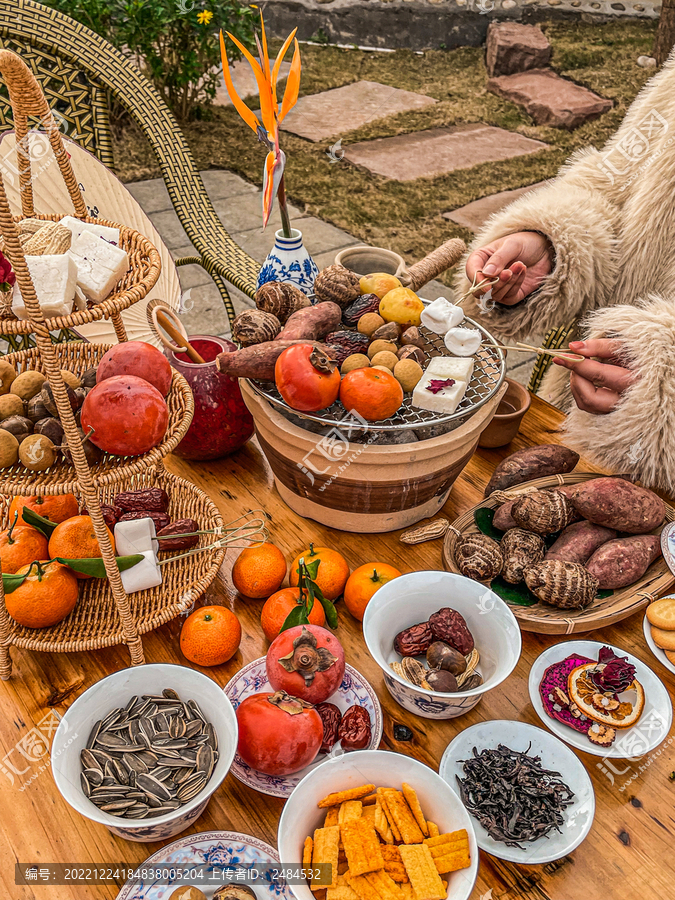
433, 265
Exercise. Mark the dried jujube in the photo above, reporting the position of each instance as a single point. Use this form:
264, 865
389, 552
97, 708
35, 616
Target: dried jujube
355, 729
331, 718
450, 626
414, 640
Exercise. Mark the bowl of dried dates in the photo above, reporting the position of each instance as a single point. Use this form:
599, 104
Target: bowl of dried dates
441, 640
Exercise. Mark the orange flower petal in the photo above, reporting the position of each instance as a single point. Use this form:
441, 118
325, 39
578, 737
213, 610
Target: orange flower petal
277, 64
264, 89
247, 114
264, 57
292, 85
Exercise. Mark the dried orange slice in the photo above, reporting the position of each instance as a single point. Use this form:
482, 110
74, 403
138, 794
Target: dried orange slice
587, 696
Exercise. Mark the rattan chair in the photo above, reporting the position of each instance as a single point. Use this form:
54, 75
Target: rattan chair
77, 69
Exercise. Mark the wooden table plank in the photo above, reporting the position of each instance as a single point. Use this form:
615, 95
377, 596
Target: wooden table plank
627, 855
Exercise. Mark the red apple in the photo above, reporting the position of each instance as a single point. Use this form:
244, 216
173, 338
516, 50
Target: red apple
136, 358
125, 415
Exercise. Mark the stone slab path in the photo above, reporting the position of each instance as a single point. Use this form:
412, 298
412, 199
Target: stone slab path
425, 154
475, 214
332, 113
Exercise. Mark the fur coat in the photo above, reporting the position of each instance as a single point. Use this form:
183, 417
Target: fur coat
610, 215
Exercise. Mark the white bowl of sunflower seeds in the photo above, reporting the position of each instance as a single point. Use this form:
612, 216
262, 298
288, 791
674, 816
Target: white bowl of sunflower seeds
142, 751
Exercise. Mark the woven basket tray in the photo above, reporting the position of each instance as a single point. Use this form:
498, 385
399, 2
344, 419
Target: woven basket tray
145, 267
61, 478
544, 619
95, 622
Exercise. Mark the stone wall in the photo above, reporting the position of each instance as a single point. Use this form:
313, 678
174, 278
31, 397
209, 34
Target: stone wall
424, 24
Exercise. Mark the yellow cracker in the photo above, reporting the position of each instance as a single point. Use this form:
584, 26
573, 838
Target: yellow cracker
307, 853
443, 840
393, 864
385, 886
405, 821
362, 847
342, 891
363, 888
326, 851
385, 809
452, 861
370, 800
406, 891
368, 812
382, 824
422, 872
434, 830
331, 817
349, 810
414, 804
339, 797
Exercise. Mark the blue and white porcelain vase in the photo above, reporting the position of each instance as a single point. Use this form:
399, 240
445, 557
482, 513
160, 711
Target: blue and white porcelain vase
288, 260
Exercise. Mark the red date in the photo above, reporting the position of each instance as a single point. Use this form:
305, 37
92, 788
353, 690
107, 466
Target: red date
330, 716
135, 501
415, 640
180, 526
450, 626
355, 729
110, 514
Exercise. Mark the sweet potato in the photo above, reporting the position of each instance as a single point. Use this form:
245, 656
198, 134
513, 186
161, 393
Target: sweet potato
619, 504
578, 542
257, 361
311, 323
503, 520
621, 562
534, 462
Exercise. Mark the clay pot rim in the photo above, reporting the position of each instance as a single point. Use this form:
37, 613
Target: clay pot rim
524, 395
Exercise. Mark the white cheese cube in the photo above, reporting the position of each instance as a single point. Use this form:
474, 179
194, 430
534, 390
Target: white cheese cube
135, 536
447, 399
450, 367
77, 227
55, 280
145, 574
99, 265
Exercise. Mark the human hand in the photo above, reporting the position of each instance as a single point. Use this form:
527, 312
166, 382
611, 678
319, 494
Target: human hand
521, 261
598, 381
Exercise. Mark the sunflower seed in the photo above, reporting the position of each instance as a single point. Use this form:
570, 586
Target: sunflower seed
84, 784
120, 772
108, 781
170, 805
205, 759
170, 694
166, 753
93, 776
161, 737
111, 741
192, 728
140, 812
152, 785
182, 776
194, 707
134, 763
161, 723
148, 757
161, 773
177, 728
111, 718
88, 760
117, 805
153, 801
212, 737
191, 787
182, 763
93, 734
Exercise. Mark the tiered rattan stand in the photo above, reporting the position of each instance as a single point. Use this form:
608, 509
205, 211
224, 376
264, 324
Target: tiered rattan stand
104, 615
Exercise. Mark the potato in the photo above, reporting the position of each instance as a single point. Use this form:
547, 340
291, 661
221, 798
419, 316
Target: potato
10, 405
619, 504
623, 561
28, 384
579, 541
534, 462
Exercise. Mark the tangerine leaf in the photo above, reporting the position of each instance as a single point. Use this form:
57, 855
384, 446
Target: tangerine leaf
44, 526
329, 610
11, 582
95, 565
297, 616
483, 517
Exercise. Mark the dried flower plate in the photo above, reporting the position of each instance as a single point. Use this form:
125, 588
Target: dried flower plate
209, 853
657, 651
649, 731
354, 691
554, 755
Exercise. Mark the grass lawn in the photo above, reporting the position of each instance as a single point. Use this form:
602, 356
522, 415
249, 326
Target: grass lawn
406, 216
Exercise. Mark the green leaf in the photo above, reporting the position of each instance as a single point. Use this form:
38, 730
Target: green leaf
602, 595
518, 594
313, 568
297, 616
45, 526
12, 582
330, 611
483, 517
95, 565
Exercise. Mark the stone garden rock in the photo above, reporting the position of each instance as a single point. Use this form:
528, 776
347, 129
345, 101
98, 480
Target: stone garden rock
550, 99
512, 48
475, 214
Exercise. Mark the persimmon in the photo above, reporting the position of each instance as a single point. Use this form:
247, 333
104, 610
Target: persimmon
307, 378
76, 539
56, 508
48, 594
279, 605
371, 393
331, 575
20, 545
363, 583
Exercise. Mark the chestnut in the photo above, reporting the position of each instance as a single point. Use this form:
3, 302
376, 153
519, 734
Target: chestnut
442, 656
440, 680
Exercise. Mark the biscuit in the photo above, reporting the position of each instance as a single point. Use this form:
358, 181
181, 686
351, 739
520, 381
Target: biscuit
663, 639
661, 614
670, 655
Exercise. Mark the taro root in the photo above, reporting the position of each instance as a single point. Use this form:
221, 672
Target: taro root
449, 626
478, 557
338, 284
543, 512
414, 640
520, 549
234, 892
442, 656
254, 326
563, 584
281, 299
440, 680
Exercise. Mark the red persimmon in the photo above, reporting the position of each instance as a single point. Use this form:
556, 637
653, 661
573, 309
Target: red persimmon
307, 379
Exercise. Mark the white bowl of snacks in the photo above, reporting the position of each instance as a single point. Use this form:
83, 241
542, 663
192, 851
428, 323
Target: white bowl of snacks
481, 628
168, 753
374, 792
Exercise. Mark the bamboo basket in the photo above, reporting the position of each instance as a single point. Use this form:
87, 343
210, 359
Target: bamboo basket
112, 470
544, 619
27, 99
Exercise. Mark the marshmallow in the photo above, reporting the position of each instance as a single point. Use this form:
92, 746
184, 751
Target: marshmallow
447, 399
55, 279
463, 341
77, 227
441, 315
135, 536
99, 265
145, 574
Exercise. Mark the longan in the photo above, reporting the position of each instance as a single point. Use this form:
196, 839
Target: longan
9, 449
379, 346
369, 323
10, 405
384, 358
355, 361
408, 372
7, 376
28, 384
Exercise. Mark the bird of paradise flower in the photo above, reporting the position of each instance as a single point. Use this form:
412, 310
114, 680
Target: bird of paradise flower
270, 113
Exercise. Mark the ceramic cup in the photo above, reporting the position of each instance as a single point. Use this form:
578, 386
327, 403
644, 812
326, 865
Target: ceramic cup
505, 424
115, 691
367, 260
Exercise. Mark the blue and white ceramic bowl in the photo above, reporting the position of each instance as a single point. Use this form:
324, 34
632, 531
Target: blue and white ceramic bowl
116, 690
411, 599
209, 852
353, 691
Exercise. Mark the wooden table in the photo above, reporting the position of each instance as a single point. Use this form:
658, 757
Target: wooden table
628, 854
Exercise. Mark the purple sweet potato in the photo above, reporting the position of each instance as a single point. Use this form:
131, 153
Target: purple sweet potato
534, 462
619, 504
503, 520
622, 562
578, 542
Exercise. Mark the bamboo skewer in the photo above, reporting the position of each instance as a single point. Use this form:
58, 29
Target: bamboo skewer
564, 353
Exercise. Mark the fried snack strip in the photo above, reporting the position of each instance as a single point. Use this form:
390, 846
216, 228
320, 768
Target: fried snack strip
342, 891
339, 797
413, 802
403, 818
307, 853
326, 851
385, 809
349, 810
332, 814
422, 872
382, 824
434, 830
450, 851
362, 847
393, 864
375, 886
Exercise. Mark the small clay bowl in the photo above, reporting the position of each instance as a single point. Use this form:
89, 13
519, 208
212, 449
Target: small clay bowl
367, 260
505, 424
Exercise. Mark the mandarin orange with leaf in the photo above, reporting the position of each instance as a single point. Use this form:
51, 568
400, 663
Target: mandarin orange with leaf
278, 606
76, 539
331, 575
48, 594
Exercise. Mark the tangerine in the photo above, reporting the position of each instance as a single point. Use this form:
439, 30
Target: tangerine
210, 636
372, 393
20, 545
76, 539
331, 575
363, 583
56, 508
46, 597
259, 571
279, 605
